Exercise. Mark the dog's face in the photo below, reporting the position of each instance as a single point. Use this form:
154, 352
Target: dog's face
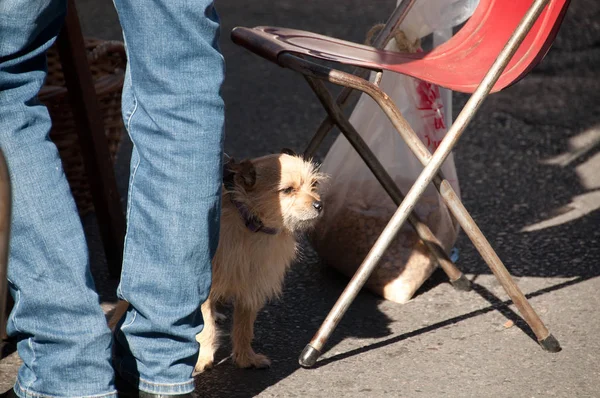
282, 190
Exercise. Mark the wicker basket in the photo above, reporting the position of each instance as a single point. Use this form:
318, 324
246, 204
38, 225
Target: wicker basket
107, 62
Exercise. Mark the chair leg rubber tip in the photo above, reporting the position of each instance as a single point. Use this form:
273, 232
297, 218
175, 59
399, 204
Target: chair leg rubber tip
550, 344
462, 284
309, 356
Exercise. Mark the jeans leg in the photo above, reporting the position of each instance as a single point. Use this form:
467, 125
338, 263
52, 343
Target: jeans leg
174, 114
61, 331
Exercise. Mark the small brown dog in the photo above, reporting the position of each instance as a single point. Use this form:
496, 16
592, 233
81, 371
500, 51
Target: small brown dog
266, 203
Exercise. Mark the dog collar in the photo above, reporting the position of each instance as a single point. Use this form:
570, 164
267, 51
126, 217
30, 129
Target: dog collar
252, 222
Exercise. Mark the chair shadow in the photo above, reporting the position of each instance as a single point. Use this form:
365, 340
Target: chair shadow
496, 305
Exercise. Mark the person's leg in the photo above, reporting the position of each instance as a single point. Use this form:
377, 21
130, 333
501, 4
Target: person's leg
174, 115
61, 330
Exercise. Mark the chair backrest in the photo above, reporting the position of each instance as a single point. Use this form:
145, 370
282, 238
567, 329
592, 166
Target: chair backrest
459, 64
475, 47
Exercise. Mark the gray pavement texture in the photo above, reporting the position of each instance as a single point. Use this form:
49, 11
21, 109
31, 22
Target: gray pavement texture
529, 169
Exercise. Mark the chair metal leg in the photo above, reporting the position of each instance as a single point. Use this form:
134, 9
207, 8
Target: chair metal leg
457, 278
335, 116
465, 220
94, 146
382, 39
452, 201
312, 351
5, 212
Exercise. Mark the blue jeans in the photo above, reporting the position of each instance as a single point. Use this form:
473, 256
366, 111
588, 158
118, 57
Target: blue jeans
174, 115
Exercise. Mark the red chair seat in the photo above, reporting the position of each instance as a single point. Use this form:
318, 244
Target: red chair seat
459, 64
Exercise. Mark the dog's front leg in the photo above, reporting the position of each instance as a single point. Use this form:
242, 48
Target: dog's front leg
243, 333
208, 338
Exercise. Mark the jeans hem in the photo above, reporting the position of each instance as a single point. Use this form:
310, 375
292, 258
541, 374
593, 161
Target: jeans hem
145, 385
25, 393
185, 387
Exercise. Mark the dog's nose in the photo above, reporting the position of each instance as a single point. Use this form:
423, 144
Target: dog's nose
318, 205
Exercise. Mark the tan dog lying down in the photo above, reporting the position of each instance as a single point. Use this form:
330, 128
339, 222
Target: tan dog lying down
267, 201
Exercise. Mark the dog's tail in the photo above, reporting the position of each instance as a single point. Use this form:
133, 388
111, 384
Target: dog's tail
118, 312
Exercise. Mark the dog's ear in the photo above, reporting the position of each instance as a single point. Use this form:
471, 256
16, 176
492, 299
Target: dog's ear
245, 173
289, 151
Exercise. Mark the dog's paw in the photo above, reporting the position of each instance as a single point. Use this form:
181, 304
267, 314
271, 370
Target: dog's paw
252, 360
204, 362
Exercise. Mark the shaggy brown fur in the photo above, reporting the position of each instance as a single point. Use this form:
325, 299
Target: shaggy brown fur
249, 267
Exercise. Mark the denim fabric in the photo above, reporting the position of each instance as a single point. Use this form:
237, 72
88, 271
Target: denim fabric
174, 115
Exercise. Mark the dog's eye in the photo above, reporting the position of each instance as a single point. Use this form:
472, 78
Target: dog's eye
288, 190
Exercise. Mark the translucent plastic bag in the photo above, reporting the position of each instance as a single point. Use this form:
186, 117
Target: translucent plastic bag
356, 207
430, 16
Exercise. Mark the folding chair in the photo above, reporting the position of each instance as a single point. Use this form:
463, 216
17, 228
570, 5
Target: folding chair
499, 45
